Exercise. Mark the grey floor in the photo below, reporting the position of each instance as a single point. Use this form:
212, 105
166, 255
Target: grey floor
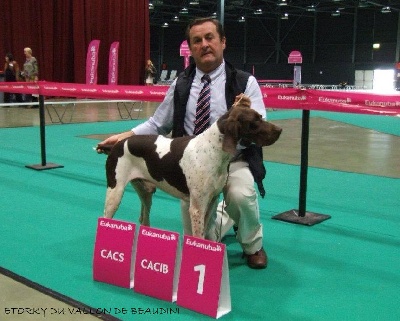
366, 151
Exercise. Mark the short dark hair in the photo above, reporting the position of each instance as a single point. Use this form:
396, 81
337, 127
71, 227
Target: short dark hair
10, 56
199, 21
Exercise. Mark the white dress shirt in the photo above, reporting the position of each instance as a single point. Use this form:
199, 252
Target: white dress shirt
161, 122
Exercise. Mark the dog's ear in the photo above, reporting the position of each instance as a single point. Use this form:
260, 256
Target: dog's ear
229, 145
231, 135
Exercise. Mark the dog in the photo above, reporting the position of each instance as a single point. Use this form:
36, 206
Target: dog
191, 168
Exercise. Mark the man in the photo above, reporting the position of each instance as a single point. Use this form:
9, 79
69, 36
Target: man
177, 113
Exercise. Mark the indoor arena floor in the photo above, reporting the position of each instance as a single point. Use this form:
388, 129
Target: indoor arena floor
344, 268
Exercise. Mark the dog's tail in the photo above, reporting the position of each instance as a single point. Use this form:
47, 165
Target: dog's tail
103, 149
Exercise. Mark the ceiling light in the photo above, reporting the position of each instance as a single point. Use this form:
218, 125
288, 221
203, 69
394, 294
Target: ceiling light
335, 13
311, 8
241, 19
184, 11
214, 15
285, 16
258, 11
151, 6
385, 10
282, 3
194, 2
376, 45
175, 18
165, 25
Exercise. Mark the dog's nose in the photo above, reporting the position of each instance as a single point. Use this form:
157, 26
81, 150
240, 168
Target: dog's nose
277, 129
276, 132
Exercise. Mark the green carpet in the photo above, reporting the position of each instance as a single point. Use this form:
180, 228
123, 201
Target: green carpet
346, 268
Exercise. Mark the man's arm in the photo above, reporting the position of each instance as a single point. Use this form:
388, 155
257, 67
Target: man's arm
253, 90
159, 124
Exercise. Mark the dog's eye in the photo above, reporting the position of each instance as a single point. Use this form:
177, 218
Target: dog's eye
253, 126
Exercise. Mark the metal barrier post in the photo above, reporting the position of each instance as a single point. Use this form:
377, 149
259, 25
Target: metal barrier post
43, 165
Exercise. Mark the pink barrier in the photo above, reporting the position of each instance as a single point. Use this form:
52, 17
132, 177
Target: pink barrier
286, 98
270, 81
329, 100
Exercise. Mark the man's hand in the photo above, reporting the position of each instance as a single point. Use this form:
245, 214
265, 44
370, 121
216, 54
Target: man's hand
106, 145
242, 100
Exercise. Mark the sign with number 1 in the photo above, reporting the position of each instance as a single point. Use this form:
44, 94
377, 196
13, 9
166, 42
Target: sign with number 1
204, 277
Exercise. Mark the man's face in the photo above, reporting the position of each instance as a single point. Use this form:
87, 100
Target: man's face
206, 46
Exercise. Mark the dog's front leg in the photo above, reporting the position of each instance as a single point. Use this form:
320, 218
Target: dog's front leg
199, 204
197, 221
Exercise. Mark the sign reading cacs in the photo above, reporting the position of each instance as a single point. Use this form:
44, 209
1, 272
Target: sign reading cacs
110, 255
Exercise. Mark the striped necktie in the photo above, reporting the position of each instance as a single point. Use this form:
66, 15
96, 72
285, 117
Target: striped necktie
202, 121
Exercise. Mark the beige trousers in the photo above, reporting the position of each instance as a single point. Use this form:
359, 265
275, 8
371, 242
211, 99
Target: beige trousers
239, 206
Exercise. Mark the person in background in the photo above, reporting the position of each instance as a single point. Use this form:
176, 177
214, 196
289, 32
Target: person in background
149, 73
11, 73
177, 114
30, 72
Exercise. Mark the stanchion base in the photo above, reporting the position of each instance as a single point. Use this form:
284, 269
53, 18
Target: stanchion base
309, 218
40, 167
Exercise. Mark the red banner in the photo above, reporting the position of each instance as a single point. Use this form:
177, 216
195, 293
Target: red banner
92, 60
113, 64
287, 98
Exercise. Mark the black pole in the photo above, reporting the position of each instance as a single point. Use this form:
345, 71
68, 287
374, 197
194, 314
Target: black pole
42, 130
301, 216
305, 129
43, 165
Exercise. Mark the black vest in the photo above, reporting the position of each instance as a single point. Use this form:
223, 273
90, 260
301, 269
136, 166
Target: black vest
236, 81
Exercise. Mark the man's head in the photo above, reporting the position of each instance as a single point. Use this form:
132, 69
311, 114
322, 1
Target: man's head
206, 40
28, 52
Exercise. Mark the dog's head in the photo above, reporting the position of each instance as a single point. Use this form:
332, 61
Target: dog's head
244, 125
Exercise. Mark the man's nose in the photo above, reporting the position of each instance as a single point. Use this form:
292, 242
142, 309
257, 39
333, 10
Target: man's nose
204, 43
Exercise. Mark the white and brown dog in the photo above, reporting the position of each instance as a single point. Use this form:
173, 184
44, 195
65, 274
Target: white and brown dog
191, 168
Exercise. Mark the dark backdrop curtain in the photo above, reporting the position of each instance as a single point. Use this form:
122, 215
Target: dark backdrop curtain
60, 31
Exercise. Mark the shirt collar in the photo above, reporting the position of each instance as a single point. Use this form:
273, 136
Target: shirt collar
213, 74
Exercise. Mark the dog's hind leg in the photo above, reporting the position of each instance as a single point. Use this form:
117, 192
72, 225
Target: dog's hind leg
113, 199
145, 190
